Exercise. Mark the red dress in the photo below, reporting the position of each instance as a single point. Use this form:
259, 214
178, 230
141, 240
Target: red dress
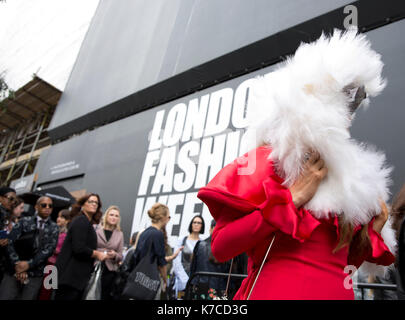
250, 209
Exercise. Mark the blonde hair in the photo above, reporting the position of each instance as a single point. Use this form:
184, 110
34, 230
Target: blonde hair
157, 212
104, 219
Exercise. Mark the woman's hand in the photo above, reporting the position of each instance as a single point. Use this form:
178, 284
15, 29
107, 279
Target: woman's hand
311, 176
111, 254
177, 252
382, 218
3, 242
174, 255
100, 256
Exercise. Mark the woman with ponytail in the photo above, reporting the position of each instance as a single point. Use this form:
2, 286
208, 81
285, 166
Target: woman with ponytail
153, 238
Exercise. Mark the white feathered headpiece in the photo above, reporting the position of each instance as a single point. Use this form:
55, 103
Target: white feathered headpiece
303, 105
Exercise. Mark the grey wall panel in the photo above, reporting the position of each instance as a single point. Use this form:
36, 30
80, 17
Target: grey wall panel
63, 160
383, 124
218, 27
131, 45
123, 49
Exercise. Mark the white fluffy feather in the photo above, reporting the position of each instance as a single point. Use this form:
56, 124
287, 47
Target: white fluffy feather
302, 106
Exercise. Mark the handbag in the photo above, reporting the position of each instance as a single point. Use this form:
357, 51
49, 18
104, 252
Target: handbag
122, 274
144, 281
93, 289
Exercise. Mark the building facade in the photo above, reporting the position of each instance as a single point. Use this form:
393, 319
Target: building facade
155, 104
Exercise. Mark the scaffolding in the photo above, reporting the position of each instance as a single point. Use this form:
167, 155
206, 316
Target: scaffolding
23, 128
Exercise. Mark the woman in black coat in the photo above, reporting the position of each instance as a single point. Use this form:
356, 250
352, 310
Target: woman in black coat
76, 259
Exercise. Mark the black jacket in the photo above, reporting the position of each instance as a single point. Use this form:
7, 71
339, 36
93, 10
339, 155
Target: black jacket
74, 262
203, 261
401, 263
24, 245
4, 217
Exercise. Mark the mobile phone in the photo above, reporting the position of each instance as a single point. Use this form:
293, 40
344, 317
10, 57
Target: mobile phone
3, 234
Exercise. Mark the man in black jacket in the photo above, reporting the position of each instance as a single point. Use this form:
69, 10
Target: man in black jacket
31, 242
7, 201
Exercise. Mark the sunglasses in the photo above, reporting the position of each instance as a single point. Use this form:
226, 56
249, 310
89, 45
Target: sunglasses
46, 205
93, 202
11, 198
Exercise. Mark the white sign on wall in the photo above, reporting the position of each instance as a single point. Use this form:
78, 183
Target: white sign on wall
189, 143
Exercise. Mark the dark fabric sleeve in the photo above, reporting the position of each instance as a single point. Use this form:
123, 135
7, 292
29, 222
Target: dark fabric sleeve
80, 230
159, 248
195, 259
13, 236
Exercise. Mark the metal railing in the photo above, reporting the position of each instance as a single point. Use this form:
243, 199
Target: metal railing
357, 286
373, 286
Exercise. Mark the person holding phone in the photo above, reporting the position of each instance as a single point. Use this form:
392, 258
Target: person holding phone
110, 240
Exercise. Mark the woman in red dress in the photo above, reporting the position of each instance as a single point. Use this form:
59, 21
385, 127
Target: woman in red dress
312, 189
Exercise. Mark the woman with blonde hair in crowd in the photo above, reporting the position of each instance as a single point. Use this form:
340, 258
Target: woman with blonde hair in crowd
110, 239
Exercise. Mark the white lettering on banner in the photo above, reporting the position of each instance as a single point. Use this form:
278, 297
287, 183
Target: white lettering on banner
21, 185
188, 145
239, 115
219, 111
148, 171
184, 180
210, 160
68, 166
196, 114
165, 172
155, 140
174, 124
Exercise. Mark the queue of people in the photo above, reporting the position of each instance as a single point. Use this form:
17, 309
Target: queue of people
83, 237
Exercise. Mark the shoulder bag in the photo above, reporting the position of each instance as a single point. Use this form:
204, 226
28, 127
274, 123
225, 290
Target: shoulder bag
144, 281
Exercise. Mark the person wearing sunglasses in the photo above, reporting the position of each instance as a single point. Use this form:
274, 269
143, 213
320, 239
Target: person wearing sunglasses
7, 198
31, 242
